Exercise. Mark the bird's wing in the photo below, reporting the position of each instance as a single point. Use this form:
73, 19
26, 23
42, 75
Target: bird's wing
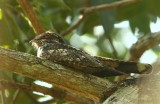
69, 56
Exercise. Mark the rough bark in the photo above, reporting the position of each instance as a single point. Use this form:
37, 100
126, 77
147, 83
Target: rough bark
144, 91
70, 82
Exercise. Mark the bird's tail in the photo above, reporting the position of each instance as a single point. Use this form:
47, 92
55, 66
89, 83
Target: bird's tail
126, 66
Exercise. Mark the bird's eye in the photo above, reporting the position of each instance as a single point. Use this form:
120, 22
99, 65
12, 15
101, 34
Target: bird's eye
43, 37
47, 36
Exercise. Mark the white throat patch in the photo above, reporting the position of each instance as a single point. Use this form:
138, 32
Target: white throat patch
39, 52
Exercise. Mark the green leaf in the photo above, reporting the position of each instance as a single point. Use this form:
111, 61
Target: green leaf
107, 17
141, 22
140, 14
153, 7
53, 14
131, 10
88, 24
0, 13
5, 32
26, 97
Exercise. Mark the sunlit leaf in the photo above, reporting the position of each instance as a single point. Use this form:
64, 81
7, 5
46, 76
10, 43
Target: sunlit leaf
0, 13
5, 46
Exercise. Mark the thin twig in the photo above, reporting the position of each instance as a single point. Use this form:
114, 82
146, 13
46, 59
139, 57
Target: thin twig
29, 95
87, 11
3, 98
144, 44
15, 96
17, 92
74, 26
108, 6
27, 8
31, 87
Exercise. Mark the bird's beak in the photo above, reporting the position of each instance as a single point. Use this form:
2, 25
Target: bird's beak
33, 41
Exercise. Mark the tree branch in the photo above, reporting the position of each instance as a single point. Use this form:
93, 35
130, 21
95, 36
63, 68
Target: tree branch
55, 92
73, 84
3, 98
15, 96
27, 8
143, 90
107, 6
74, 26
144, 44
87, 11
4, 84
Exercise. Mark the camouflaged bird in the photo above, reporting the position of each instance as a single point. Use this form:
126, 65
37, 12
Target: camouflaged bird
51, 46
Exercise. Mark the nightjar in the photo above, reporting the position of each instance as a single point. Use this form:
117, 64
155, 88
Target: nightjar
51, 46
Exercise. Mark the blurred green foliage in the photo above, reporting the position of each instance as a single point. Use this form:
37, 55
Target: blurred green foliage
58, 15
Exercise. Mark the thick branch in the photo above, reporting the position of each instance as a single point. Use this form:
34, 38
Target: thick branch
65, 79
144, 44
143, 90
27, 8
87, 11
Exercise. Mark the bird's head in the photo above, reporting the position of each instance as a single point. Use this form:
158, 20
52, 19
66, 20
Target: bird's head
47, 36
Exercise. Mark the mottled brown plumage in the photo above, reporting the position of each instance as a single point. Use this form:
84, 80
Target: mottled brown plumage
52, 47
